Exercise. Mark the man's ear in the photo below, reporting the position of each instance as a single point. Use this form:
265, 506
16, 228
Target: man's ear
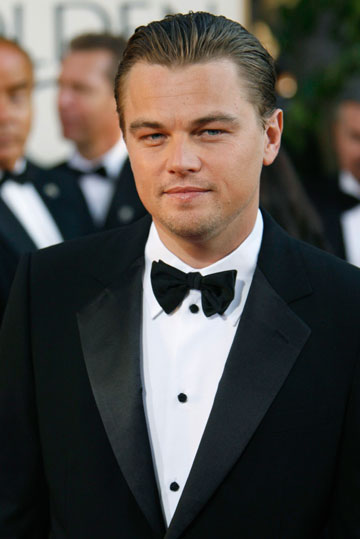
273, 130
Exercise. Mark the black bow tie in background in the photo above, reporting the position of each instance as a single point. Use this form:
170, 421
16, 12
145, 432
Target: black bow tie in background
171, 285
99, 171
19, 178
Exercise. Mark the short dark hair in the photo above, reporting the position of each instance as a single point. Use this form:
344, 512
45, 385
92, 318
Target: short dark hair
199, 37
115, 45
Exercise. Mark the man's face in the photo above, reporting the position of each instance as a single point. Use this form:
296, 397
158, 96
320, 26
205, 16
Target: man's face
16, 82
196, 147
86, 102
347, 138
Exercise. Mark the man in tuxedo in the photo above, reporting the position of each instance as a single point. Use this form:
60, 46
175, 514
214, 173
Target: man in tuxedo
338, 197
32, 209
196, 374
99, 170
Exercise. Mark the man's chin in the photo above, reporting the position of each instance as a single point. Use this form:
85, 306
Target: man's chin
7, 160
192, 229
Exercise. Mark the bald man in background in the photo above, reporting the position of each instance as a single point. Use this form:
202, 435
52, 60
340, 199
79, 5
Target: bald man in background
33, 211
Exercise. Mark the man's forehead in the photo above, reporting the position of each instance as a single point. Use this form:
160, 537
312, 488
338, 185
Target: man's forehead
15, 66
10, 53
348, 113
179, 76
88, 59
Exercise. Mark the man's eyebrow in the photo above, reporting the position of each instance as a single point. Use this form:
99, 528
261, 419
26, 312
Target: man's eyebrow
23, 85
211, 118
139, 124
227, 118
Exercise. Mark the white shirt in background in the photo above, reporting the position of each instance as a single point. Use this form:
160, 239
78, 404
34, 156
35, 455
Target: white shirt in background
98, 191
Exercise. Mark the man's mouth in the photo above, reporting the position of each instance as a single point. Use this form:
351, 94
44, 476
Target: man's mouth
185, 192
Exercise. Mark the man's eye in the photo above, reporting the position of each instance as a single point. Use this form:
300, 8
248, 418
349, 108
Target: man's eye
211, 132
18, 96
153, 138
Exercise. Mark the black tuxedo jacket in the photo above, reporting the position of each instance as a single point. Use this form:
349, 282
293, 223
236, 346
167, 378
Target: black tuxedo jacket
331, 203
125, 206
279, 457
15, 240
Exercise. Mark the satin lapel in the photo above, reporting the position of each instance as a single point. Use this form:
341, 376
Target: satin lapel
13, 232
268, 341
110, 337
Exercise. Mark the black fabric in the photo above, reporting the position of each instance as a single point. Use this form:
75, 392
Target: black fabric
279, 456
100, 171
14, 239
331, 202
171, 285
19, 178
125, 206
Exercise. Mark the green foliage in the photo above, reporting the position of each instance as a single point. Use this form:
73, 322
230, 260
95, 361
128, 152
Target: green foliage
336, 24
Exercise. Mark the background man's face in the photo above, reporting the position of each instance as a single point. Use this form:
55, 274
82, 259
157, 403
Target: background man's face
196, 148
86, 102
16, 82
347, 138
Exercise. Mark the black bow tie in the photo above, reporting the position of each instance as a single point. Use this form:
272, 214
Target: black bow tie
19, 178
171, 285
99, 171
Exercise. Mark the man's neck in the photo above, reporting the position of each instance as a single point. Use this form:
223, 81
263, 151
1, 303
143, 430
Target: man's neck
202, 252
17, 166
94, 150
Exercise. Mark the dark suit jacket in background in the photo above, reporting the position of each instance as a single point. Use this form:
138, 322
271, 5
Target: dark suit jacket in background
63, 206
125, 206
331, 203
279, 457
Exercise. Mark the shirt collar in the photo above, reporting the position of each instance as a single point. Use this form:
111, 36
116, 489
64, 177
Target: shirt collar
112, 160
349, 184
243, 259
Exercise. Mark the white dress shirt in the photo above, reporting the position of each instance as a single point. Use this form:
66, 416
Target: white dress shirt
30, 210
350, 219
183, 358
98, 191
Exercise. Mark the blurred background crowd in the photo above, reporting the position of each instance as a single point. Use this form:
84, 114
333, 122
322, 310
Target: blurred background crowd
312, 189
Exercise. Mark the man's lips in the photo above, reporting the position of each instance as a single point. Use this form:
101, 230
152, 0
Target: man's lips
185, 192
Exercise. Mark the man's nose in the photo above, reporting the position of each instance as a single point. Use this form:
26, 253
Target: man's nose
182, 157
64, 98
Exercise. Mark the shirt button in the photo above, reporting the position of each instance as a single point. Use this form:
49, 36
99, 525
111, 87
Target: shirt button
194, 308
174, 486
182, 397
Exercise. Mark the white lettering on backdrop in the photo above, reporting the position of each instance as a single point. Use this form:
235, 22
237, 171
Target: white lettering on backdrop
43, 27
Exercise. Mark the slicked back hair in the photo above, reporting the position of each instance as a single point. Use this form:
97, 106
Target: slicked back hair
114, 45
199, 37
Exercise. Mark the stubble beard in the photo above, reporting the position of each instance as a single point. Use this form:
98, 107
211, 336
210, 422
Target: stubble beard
191, 226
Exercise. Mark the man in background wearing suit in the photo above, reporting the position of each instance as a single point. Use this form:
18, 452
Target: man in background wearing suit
99, 170
31, 209
338, 197
194, 375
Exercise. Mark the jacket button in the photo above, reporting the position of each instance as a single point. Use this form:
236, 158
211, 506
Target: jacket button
51, 190
125, 214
